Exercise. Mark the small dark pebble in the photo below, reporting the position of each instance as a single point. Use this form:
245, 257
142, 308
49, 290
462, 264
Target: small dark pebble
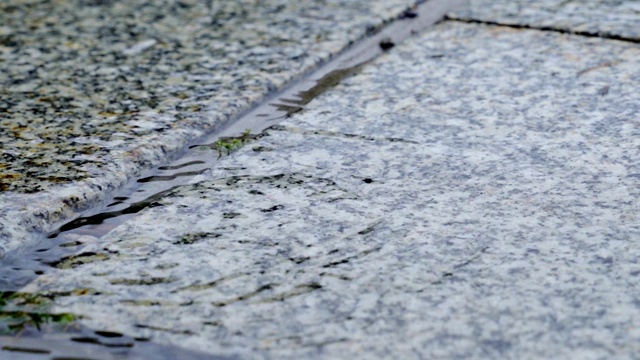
409, 14
386, 44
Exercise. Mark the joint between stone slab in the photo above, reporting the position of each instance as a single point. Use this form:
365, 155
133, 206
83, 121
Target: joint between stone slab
588, 34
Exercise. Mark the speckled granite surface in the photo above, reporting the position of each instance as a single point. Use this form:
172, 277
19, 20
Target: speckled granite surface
472, 194
615, 18
93, 92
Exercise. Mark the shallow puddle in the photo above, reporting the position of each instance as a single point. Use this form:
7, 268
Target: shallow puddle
29, 330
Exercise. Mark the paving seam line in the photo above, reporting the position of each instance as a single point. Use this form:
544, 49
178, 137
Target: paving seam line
608, 36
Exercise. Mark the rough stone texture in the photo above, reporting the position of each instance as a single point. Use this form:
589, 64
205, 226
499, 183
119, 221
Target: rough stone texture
93, 92
472, 194
614, 18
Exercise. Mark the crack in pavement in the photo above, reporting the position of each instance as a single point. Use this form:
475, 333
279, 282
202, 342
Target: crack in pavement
601, 35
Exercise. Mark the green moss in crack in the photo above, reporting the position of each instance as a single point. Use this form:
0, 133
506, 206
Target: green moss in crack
232, 143
19, 311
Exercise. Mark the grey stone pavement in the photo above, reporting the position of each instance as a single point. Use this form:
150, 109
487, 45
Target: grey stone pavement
471, 193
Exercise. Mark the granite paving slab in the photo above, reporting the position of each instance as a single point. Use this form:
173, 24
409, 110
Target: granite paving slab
610, 18
92, 93
471, 194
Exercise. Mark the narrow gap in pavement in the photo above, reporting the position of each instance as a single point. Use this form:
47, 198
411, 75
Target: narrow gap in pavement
607, 36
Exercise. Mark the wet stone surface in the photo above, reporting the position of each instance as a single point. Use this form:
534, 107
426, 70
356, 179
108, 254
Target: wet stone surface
613, 18
30, 330
93, 92
472, 194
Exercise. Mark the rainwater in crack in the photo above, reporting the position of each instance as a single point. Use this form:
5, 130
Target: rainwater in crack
62, 248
